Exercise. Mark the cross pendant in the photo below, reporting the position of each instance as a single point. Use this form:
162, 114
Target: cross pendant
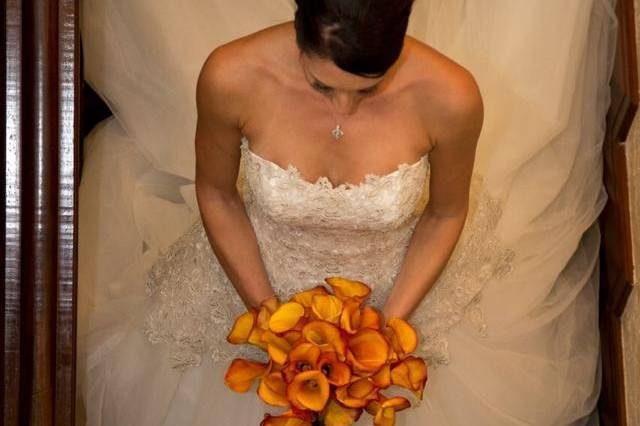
337, 133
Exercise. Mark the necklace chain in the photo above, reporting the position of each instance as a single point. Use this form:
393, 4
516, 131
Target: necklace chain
337, 132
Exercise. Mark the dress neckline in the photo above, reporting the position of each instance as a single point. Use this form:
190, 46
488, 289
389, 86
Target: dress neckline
324, 181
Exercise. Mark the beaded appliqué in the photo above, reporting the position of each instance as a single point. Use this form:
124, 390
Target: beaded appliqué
307, 231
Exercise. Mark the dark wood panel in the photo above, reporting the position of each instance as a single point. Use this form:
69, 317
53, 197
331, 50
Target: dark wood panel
616, 271
41, 89
11, 261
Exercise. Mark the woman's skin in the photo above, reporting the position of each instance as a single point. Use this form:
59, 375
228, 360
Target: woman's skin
262, 87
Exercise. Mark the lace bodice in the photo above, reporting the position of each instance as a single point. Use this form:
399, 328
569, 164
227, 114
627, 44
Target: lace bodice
309, 230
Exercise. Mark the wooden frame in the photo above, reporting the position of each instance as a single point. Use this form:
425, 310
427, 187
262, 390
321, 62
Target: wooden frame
615, 222
41, 94
41, 88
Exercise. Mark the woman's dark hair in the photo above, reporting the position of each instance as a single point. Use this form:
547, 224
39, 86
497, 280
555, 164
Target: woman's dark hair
363, 37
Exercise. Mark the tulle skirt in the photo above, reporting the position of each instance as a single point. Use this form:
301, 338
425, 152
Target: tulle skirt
126, 380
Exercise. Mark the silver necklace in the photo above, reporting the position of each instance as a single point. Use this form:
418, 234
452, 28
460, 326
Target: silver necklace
337, 132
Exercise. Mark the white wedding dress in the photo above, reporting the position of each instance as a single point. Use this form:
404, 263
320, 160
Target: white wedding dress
510, 328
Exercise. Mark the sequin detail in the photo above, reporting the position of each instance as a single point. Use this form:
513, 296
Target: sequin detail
307, 231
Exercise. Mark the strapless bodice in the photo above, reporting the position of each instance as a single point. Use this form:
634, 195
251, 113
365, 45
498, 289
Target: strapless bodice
307, 231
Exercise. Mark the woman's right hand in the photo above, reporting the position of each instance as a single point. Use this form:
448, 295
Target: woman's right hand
272, 303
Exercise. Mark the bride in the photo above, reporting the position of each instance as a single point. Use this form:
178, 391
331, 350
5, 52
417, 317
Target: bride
337, 144
285, 98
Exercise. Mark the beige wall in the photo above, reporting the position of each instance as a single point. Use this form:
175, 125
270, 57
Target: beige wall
631, 319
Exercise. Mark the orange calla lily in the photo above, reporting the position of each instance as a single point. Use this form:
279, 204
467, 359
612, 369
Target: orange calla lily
242, 372
273, 389
326, 336
309, 390
329, 357
370, 318
262, 320
382, 378
357, 394
292, 336
303, 320
242, 327
410, 373
306, 297
354, 318
286, 317
345, 288
284, 420
255, 338
350, 317
277, 347
336, 414
326, 307
302, 357
338, 373
368, 350
404, 337
384, 411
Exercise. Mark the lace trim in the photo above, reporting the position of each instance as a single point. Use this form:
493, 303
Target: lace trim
323, 181
478, 258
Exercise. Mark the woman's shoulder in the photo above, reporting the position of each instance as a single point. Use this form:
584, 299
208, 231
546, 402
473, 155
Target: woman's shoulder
445, 90
250, 57
439, 76
235, 73
239, 69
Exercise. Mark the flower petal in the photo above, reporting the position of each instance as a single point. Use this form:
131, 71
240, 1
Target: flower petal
292, 336
351, 314
242, 328
356, 394
326, 336
382, 378
284, 420
338, 415
255, 338
386, 416
302, 357
384, 410
309, 390
370, 318
410, 373
398, 403
262, 321
338, 373
405, 334
306, 297
327, 307
344, 288
273, 389
368, 350
242, 372
286, 317
277, 347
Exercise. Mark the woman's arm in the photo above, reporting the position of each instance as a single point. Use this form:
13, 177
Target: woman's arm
437, 231
221, 108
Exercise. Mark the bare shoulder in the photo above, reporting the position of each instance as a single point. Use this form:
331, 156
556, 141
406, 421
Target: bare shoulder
234, 72
449, 95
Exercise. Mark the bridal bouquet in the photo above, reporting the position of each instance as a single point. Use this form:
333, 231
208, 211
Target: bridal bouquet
329, 358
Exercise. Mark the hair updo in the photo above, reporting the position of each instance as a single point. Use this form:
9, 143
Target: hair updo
363, 37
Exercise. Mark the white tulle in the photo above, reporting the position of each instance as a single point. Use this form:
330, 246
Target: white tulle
543, 68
